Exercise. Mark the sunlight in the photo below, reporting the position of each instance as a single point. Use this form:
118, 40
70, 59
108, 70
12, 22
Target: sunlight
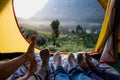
27, 8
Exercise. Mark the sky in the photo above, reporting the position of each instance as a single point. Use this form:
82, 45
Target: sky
72, 12
27, 8
69, 12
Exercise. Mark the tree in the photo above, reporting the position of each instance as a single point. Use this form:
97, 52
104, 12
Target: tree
28, 33
93, 30
40, 40
73, 32
79, 29
55, 28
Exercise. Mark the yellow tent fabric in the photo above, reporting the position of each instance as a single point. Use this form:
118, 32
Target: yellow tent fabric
103, 3
11, 40
105, 31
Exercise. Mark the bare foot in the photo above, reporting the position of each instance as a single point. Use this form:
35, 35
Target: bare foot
71, 60
89, 60
57, 59
81, 61
29, 55
44, 54
31, 69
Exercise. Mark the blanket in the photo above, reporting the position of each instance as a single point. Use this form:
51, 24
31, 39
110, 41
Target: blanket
22, 70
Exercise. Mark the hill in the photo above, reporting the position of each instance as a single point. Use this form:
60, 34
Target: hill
72, 12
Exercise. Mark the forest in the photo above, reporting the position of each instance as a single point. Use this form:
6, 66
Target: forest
60, 38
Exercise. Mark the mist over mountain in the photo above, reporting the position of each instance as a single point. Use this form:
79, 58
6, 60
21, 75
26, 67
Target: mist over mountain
87, 13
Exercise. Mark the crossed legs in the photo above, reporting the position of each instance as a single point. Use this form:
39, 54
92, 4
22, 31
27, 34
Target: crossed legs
43, 72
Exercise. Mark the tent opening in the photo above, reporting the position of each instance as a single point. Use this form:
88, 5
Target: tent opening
67, 25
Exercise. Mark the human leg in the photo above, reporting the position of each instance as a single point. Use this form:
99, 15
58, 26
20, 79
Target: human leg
42, 72
71, 61
83, 64
31, 69
15, 63
74, 72
60, 73
100, 71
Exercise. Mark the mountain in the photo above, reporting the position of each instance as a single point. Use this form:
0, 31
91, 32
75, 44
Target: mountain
87, 13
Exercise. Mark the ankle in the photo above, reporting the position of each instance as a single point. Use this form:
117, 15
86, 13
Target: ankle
84, 65
58, 64
45, 63
90, 63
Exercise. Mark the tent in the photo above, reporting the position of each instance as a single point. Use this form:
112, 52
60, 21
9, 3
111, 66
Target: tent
108, 42
11, 39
